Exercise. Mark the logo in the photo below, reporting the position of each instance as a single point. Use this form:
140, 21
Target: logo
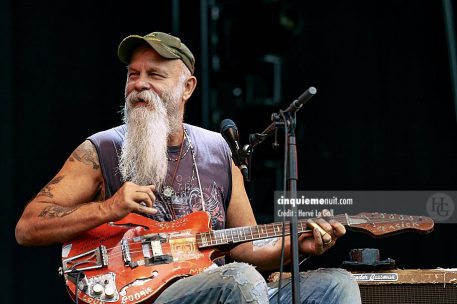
440, 207
376, 277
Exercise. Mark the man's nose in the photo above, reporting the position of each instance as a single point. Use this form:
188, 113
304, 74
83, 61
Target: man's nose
142, 84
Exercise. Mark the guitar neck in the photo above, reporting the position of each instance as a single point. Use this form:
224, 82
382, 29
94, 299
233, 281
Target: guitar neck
245, 234
375, 224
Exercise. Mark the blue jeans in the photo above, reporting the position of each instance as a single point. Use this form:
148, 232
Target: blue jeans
242, 283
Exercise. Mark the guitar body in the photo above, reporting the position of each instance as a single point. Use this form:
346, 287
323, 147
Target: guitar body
134, 259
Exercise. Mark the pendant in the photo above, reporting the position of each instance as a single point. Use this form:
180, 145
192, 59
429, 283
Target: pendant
167, 193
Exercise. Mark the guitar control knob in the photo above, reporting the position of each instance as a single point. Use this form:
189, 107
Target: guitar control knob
109, 292
97, 289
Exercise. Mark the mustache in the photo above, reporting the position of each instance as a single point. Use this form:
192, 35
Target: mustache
146, 96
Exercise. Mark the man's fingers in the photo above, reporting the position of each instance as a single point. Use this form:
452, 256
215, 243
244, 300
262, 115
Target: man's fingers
148, 189
145, 194
325, 225
324, 228
144, 209
338, 228
146, 199
318, 241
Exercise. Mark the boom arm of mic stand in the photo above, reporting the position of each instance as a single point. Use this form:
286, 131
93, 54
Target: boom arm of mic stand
258, 138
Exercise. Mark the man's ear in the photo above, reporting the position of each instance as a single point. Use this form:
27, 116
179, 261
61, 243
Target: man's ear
189, 87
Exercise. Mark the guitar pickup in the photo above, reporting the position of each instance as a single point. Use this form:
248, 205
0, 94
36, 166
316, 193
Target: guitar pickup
152, 250
151, 245
161, 259
156, 248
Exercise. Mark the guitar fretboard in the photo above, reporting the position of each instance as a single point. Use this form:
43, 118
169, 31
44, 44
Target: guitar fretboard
375, 223
245, 234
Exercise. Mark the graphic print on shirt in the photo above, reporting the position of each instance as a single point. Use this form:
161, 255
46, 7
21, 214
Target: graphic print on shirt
187, 198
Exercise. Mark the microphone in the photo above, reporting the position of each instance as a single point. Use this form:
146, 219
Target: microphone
230, 133
301, 100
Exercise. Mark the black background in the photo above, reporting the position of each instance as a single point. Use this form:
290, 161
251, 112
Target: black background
383, 118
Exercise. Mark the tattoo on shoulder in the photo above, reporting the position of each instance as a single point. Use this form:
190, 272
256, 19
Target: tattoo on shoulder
56, 211
265, 242
47, 190
86, 154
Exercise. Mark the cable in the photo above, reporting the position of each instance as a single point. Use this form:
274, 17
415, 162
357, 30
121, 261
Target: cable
79, 277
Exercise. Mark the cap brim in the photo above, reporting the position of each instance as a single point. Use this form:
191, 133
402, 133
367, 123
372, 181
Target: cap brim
127, 45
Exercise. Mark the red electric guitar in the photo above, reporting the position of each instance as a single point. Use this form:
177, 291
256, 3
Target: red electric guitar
134, 259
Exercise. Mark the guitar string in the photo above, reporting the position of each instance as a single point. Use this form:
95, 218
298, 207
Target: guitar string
267, 228
271, 228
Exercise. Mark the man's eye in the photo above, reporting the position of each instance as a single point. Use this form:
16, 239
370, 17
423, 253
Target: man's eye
155, 74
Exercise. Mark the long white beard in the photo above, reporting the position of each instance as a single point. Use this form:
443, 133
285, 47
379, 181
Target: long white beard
143, 157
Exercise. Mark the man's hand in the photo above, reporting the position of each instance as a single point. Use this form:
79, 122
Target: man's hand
323, 237
130, 198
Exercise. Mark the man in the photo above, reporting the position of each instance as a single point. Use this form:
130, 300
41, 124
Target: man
160, 167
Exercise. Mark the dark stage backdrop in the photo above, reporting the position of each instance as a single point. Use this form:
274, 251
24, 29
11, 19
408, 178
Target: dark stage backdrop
383, 119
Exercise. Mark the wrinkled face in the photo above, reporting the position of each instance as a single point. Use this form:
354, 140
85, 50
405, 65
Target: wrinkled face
155, 97
149, 71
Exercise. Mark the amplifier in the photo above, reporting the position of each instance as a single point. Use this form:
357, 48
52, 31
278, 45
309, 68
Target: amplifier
418, 286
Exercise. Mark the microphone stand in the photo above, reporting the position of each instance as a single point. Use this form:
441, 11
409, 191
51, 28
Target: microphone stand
287, 118
292, 178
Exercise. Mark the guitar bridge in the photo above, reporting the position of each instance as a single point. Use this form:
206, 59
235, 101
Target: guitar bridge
92, 259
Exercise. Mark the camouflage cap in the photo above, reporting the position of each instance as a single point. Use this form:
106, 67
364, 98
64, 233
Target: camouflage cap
166, 45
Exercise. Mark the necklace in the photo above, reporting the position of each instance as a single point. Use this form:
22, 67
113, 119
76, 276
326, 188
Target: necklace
194, 163
167, 191
181, 155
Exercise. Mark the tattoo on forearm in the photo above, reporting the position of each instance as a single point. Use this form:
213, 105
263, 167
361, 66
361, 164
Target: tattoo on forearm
86, 154
56, 211
47, 190
265, 242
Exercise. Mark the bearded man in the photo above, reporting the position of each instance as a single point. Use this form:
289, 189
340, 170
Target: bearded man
157, 166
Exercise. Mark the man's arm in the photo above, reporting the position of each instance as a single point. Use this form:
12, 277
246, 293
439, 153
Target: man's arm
73, 202
265, 254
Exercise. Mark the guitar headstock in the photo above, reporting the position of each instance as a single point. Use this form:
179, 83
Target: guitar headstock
384, 224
